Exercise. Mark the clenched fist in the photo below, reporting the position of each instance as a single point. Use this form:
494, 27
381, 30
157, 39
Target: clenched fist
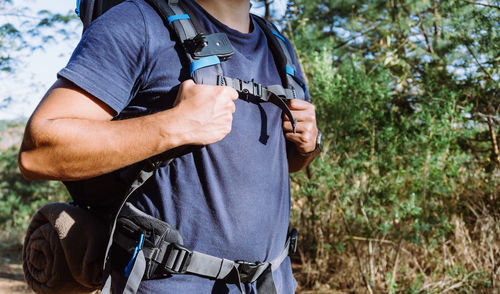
206, 112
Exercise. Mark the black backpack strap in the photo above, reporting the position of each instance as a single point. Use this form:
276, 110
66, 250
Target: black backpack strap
85, 10
282, 57
139, 265
203, 51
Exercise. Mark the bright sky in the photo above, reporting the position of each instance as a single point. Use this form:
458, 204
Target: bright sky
38, 70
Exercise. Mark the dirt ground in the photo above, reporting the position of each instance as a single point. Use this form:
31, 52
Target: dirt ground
11, 278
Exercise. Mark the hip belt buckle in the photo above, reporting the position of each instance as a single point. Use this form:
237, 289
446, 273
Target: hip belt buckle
250, 271
177, 259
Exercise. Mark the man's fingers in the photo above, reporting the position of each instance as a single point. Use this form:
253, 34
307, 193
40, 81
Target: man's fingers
233, 94
299, 128
287, 127
301, 116
297, 104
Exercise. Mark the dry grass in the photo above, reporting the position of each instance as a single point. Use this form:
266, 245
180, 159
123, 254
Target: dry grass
468, 261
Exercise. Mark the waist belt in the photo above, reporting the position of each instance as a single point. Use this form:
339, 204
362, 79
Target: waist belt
147, 248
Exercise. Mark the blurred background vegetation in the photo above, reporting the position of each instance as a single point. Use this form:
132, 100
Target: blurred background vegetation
405, 197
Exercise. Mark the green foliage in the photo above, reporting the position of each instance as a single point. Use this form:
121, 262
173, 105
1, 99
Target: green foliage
19, 198
407, 98
23, 29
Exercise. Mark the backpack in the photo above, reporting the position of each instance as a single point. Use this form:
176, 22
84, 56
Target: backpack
148, 248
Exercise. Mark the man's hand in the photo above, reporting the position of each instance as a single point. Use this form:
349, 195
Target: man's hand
306, 131
206, 112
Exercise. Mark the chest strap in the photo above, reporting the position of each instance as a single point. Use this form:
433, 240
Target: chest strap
276, 94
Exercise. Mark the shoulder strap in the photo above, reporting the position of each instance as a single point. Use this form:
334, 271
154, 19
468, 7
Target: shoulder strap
282, 57
205, 52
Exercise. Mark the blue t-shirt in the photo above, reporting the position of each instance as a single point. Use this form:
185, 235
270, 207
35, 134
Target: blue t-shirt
230, 199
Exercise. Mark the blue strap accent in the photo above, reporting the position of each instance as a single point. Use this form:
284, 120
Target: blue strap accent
279, 36
204, 62
175, 17
128, 268
290, 70
77, 9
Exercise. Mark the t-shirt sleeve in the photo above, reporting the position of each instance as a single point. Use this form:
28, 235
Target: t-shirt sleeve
109, 60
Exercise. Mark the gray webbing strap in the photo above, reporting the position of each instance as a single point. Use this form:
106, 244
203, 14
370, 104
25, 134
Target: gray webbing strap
213, 267
276, 94
144, 174
275, 263
210, 266
135, 277
220, 268
106, 289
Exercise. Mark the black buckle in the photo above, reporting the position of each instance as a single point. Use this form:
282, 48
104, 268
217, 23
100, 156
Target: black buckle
249, 271
196, 44
257, 89
177, 259
294, 237
251, 87
207, 45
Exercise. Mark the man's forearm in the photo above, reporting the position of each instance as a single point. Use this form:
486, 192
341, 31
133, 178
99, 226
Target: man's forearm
74, 148
297, 161
71, 135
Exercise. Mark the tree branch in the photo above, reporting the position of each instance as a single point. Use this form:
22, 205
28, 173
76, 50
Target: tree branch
477, 61
482, 4
427, 42
495, 153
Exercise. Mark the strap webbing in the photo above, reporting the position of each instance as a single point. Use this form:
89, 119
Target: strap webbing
205, 265
175, 17
144, 174
276, 94
204, 62
135, 277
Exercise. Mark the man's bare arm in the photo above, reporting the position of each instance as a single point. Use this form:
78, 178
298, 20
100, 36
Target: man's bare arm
71, 136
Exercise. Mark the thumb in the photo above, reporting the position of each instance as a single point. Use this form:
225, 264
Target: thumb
188, 82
